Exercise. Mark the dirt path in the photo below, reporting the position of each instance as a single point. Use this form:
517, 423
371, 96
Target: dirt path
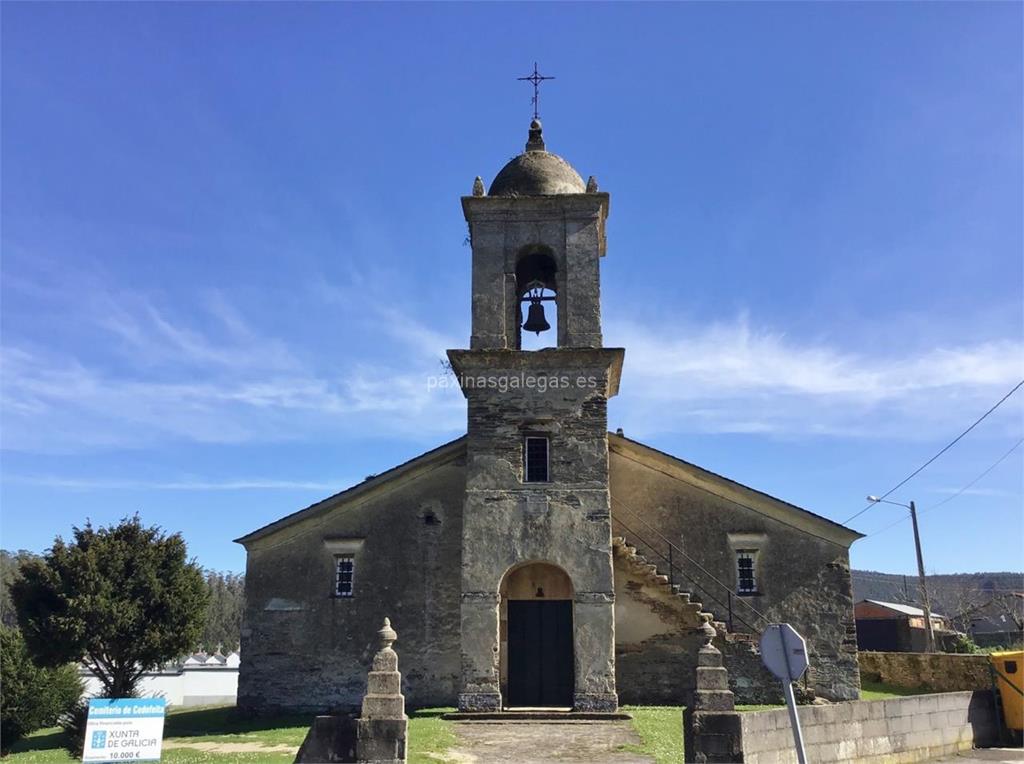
229, 747
545, 743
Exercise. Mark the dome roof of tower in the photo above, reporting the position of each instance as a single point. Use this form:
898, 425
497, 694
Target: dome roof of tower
537, 172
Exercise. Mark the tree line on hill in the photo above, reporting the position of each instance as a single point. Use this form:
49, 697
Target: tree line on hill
960, 597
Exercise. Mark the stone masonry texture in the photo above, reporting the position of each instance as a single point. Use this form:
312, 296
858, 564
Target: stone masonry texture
306, 650
907, 729
938, 672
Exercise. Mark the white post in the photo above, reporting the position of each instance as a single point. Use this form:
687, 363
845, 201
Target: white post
794, 720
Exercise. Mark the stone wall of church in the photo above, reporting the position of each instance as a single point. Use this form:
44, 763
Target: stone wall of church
803, 578
304, 649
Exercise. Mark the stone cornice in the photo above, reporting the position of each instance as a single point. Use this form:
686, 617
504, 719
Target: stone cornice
526, 208
554, 361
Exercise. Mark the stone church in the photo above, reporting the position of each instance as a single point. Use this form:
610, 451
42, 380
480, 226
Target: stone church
539, 560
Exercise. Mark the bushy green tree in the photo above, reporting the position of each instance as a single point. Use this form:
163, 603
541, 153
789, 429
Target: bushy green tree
31, 697
121, 599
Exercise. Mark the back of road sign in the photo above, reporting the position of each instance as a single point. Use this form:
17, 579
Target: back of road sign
784, 652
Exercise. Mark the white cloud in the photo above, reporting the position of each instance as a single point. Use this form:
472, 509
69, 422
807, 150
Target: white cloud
730, 377
974, 491
148, 375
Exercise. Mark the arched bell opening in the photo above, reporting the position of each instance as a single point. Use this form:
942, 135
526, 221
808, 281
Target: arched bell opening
537, 295
536, 653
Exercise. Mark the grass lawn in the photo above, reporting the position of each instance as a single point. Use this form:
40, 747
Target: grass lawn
661, 732
429, 734
218, 727
882, 691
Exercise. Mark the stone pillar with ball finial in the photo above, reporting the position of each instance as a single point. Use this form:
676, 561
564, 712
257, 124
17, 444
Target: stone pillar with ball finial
711, 726
382, 726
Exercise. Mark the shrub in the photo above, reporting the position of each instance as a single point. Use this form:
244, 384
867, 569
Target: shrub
31, 697
961, 643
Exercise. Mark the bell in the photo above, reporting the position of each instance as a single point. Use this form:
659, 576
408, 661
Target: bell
535, 321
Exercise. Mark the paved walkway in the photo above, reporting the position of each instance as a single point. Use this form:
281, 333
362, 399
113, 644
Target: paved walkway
545, 743
989, 755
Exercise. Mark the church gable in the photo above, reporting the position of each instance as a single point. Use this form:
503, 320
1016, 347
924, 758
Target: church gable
638, 458
452, 452
319, 581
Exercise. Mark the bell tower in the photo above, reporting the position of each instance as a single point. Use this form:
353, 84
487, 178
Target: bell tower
537, 612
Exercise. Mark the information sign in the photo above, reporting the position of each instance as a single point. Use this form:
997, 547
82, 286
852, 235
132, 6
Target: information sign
124, 729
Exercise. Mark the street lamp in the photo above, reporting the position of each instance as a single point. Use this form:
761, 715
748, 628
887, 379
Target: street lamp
929, 633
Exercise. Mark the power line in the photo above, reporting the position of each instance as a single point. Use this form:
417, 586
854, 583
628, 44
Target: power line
948, 446
999, 461
948, 499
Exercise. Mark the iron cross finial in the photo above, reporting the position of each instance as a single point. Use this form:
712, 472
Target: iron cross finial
536, 78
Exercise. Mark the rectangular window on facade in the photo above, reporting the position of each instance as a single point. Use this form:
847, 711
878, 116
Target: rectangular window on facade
344, 571
746, 571
535, 458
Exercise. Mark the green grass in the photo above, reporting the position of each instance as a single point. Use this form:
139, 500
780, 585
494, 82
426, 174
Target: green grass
882, 691
430, 736
661, 732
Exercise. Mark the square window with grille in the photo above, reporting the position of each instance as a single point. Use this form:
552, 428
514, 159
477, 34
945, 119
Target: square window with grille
344, 574
746, 571
535, 458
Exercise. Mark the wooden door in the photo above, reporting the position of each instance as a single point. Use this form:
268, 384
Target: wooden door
540, 653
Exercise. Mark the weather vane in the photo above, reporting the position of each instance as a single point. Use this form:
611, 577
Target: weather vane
536, 78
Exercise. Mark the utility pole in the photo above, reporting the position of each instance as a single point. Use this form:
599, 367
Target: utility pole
929, 633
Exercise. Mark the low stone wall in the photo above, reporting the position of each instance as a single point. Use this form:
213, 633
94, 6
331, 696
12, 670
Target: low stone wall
909, 729
939, 672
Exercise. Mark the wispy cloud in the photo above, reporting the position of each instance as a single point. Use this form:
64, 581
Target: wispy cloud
148, 375
733, 377
203, 372
974, 491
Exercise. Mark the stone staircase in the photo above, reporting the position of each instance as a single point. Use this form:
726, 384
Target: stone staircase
640, 568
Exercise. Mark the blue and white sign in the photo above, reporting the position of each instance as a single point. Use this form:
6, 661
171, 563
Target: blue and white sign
124, 729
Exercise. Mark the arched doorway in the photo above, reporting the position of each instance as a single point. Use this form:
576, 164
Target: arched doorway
537, 637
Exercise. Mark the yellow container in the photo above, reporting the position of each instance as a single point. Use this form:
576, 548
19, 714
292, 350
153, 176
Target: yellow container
1010, 681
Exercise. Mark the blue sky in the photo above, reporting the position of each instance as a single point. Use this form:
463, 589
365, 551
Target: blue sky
233, 249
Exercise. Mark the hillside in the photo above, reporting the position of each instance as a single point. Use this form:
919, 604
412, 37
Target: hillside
949, 593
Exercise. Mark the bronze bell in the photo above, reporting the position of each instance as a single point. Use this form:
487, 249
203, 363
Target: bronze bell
535, 320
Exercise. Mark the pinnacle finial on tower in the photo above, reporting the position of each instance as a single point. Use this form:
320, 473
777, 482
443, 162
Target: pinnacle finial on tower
536, 141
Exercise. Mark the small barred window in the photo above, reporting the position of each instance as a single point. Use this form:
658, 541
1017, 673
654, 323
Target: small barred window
746, 571
344, 571
535, 458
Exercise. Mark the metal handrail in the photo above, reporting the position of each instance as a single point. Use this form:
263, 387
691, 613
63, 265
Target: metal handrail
703, 592
696, 564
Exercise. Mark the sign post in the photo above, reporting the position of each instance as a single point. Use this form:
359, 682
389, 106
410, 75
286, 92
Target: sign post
124, 729
784, 653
